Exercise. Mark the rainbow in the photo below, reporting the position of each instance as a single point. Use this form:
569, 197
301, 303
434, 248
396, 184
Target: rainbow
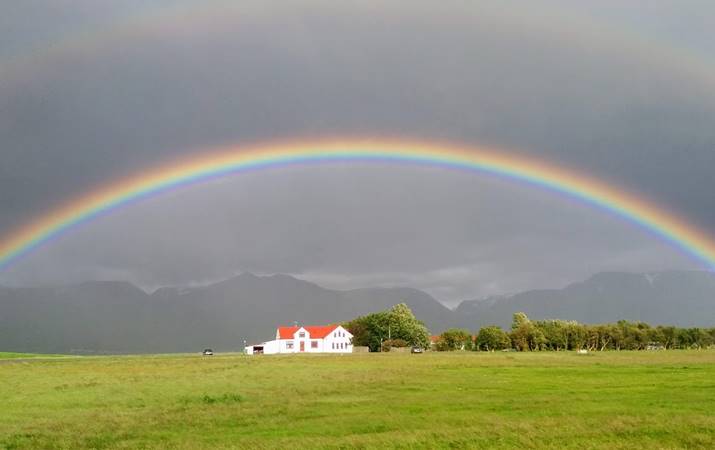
221, 162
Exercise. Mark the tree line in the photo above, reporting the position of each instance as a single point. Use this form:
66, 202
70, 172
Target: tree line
533, 335
398, 327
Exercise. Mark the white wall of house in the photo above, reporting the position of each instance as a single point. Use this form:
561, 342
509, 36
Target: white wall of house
271, 347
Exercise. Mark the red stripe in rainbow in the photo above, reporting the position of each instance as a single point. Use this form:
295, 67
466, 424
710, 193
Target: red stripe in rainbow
226, 161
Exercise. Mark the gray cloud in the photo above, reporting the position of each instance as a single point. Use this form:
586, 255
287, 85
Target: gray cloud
539, 79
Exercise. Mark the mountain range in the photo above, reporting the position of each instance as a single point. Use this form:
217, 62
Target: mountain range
118, 317
683, 298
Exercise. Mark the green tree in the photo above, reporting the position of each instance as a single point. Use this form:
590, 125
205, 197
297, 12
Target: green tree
556, 333
635, 334
454, 339
404, 325
600, 337
492, 338
668, 336
577, 335
695, 338
519, 319
369, 330
615, 333
397, 323
525, 335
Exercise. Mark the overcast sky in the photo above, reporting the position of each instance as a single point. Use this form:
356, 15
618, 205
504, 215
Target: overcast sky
94, 91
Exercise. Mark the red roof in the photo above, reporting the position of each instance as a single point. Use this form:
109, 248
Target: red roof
316, 332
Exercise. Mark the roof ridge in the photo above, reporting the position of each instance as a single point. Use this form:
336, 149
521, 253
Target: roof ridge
316, 331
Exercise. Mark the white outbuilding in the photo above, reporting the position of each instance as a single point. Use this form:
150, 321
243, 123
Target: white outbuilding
306, 339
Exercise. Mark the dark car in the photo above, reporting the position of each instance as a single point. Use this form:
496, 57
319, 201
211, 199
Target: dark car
208, 352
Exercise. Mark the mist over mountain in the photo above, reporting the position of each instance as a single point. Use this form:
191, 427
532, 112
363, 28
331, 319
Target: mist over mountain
110, 316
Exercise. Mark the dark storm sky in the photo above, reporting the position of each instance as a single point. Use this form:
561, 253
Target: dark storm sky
93, 91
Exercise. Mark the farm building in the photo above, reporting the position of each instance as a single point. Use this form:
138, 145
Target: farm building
306, 339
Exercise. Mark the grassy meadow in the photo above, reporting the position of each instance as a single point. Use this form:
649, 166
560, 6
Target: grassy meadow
435, 400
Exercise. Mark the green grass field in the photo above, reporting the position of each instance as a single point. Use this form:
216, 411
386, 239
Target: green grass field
464, 400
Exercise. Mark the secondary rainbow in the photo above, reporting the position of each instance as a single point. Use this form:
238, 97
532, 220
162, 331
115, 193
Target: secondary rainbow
226, 161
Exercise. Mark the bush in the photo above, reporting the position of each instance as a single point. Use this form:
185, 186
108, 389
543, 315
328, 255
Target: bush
394, 343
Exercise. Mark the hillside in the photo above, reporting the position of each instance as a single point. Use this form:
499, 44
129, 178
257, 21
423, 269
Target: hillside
119, 317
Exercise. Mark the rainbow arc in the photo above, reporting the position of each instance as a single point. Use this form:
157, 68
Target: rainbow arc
210, 164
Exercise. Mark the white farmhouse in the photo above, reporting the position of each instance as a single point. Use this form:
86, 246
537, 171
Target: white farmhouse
306, 339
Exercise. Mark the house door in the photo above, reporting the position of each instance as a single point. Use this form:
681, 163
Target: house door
302, 346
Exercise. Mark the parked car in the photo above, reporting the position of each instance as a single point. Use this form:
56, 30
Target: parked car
208, 352
417, 349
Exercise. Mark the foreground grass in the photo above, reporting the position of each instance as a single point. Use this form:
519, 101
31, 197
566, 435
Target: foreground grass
465, 400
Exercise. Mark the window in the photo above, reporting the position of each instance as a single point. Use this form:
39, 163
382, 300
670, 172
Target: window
313, 344
333, 345
289, 345
301, 334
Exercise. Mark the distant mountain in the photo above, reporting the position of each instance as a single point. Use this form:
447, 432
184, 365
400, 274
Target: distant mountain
677, 298
119, 317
